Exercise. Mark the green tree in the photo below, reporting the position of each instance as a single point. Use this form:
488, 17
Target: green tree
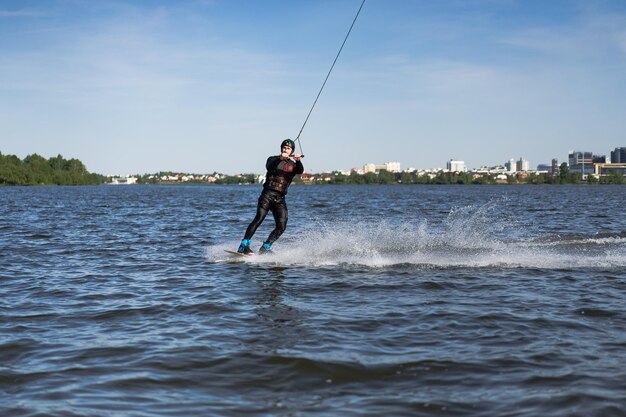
36, 170
614, 177
370, 178
407, 178
356, 178
386, 177
563, 173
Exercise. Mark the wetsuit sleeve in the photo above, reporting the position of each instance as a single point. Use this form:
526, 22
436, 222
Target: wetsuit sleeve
272, 163
299, 168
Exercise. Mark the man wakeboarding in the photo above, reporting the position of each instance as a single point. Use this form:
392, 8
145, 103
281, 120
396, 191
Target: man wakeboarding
280, 172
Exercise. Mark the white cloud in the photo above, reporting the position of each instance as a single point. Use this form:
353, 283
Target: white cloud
122, 58
546, 40
18, 13
593, 36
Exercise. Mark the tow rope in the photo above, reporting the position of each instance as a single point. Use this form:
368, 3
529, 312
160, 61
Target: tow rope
326, 79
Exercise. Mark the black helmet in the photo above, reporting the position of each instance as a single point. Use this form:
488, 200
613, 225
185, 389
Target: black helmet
290, 143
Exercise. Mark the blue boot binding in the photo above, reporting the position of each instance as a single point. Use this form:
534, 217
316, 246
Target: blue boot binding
265, 248
245, 247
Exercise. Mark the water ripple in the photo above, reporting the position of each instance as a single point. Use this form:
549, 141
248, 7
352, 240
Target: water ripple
403, 301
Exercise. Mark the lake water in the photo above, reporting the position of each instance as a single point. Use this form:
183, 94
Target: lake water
378, 301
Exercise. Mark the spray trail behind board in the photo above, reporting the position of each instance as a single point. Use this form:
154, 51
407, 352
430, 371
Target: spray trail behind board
475, 237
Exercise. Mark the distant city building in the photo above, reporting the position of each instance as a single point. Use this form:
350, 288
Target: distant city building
387, 166
511, 165
392, 166
498, 169
523, 165
607, 169
123, 180
618, 156
369, 168
582, 161
578, 161
456, 166
552, 168
544, 168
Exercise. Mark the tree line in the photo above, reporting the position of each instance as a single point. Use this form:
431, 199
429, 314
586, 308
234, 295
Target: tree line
37, 170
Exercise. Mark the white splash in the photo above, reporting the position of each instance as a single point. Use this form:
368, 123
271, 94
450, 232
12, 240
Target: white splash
475, 237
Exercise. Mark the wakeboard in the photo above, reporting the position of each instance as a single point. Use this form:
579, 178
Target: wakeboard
232, 252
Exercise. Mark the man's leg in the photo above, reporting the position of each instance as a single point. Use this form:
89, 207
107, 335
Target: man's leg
280, 218
261, 211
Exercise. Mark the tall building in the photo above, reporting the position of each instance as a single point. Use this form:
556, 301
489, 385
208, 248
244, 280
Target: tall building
456, 166
511, 165
392, 166
618, 156
369, 168
581, 161
523, 165
555, 167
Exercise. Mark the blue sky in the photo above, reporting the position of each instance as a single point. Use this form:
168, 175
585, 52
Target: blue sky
216, 85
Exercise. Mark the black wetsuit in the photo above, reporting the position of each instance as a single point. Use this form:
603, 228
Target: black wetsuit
280, 173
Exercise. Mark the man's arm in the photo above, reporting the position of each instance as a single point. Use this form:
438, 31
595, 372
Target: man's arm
299, 167
272, 163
